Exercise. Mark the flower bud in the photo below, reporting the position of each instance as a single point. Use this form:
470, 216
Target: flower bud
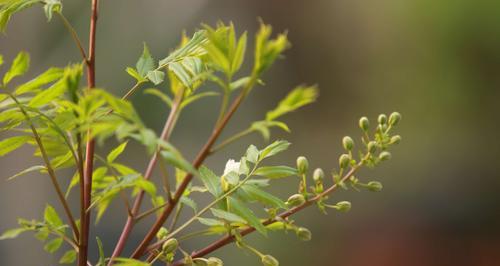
295, 200
268, 260
364, 123
382, 119
343, 206
348, 143
394, 118
395, 139
213, 261
162, 233
304, 234
344, 160
225, 184
170, 245
318, 175
374, 186
302, 165
384, 156
372, 147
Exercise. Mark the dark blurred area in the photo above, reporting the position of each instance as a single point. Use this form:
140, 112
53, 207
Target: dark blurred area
436, 62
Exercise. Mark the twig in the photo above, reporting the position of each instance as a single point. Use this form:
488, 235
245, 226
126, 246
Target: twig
74, 35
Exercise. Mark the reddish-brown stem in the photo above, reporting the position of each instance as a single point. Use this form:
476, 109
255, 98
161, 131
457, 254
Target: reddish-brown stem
165, 135
231, 238
89, 154
202, 155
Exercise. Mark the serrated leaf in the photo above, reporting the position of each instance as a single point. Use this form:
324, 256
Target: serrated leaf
230, 217
68, 257
297, 98
274, 172
13, 143
51, 217
238, 208
274, 148
263, 197
193, 47
145, 63
156, 76
46, 77
53, 245
211, 181
28, 170
19, 67
116, 152
12, 233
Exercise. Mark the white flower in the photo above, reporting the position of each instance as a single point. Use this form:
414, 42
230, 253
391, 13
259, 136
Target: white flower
232, 166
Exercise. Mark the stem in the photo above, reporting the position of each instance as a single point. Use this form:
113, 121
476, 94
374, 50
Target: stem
74, 35
232, 139
200, 158
165, 135
89, 156
231, 238
50, 170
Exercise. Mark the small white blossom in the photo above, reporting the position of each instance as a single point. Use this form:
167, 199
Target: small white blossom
232, 166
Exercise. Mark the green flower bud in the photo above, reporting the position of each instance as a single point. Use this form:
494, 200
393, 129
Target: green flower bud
303, 234
348, 143
384, 156
213, 261
374, 186
364, 123
295, 200
302, 165
344, 160
382, 119
343, 206
394, 118
318, 175
372, 147
162, 233
268, 260
395, 139
170, 245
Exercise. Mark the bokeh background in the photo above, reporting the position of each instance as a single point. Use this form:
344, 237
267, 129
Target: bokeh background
436, 62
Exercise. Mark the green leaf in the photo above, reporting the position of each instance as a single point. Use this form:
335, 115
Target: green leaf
196, 97
52, 6
49, 94
211, 181
237, 207
19, 67
11, 7
210, 222
239, 83
252, 154
132, 72
46, 77
274, 148
189, 202
266, 50
175, 158
156, 76
102, 258
192, 48
260, 195
297, 98
1, 60
145, 63
28, 170
239, 54
230, 217
53, 245
274, 172
51, 217
13, 143
116, 152
68, 257
12, 233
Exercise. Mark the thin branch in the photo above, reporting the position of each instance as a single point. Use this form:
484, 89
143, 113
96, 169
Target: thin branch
232, 139
200, 158
90, 150
74, 35
50, 170
231, 238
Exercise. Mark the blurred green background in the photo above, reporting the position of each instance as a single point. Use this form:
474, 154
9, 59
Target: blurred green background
436, 62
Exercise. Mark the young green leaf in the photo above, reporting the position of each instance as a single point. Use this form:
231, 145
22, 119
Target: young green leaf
230, 217
274, 172
53, 245
239, 53
210, 222
297, 98
116, 152
51, 216
190, 203
9, 8
274, 148
145, 63
49, 94
13, 143
133, 73
252, 154
68, 257
28, 170
19, 67
46, 77
266, 198
12, 233
164, 97
211, 181
237, 207
156, 76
